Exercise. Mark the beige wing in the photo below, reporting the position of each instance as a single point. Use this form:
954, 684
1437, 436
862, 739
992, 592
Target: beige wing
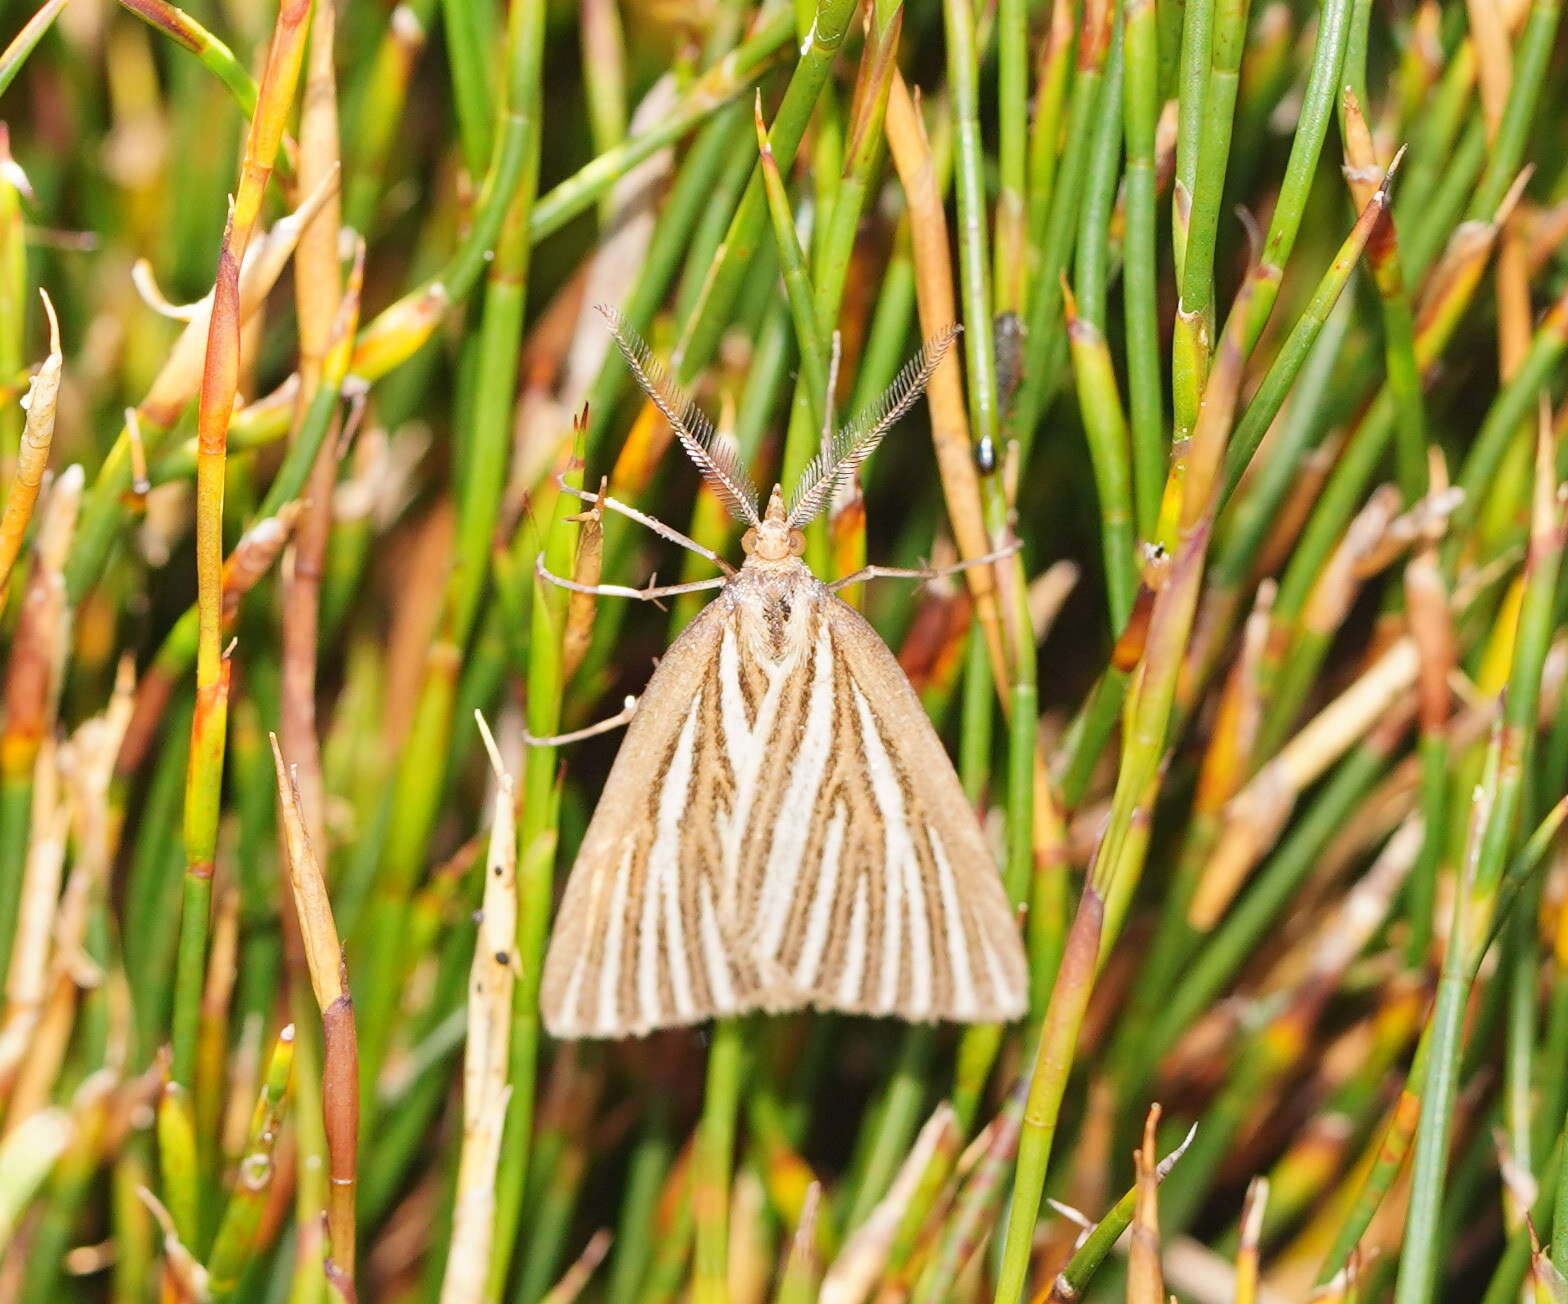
638, 942
864, 883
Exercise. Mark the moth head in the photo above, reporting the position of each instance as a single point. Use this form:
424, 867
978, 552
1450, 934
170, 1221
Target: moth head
774, 538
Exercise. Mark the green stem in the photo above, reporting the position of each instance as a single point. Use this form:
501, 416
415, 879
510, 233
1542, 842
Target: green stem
1140, 272
715, 1154
958, 23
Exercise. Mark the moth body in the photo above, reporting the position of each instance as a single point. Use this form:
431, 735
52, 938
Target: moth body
781, 828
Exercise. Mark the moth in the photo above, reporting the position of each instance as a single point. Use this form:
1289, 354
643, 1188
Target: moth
781, 827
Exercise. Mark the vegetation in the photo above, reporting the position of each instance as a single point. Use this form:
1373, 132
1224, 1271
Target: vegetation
1262, 366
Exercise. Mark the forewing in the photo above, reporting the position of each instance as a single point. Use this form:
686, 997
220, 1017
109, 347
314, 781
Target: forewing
865, 884
638, 942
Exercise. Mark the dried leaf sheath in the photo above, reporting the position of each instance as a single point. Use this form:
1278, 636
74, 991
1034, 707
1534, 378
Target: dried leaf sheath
781, 828
32, 458
485, 1088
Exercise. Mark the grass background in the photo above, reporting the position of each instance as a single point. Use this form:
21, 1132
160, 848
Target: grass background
1262, 362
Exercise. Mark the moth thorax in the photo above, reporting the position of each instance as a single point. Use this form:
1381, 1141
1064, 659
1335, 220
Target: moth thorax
773, 539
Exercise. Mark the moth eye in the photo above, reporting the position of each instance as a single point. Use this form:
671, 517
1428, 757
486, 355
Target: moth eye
797, 543
748, 542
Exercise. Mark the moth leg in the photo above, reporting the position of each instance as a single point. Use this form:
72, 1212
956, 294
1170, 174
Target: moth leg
642, 518
650, 594
577, 735
920, 573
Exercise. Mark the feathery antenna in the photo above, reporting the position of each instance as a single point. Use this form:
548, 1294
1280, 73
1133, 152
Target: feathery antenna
856, 441
716, 459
